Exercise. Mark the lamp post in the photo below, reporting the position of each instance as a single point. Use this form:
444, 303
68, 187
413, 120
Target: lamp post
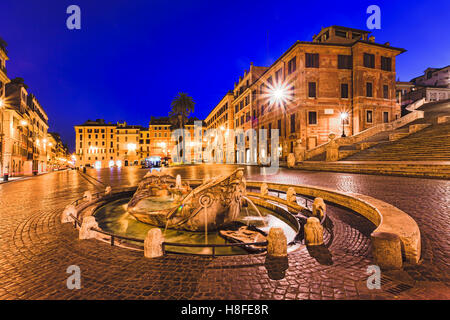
344, 116
280, 95
2, 142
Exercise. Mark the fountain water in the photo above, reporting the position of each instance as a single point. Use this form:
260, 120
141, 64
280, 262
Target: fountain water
205, 214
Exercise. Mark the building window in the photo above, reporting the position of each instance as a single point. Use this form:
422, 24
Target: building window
340, 33
279, 76
369, 116
369, 92
311, 60
385, 117
369, 60
386, 63
344, 62
312, 117
279, 126
270, 131
293, 123
386, 92
312, 89
344, 90
292, 65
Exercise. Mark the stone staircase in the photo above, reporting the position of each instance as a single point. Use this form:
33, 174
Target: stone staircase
430, 143
426, 115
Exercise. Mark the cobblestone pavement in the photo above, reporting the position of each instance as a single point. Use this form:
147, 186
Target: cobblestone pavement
37, 249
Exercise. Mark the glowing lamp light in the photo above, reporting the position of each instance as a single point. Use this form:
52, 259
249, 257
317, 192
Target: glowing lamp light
222, 128
111, 163
98, 165
23, 122
131, 147
1, 103
344, 115
118, 163
279, 94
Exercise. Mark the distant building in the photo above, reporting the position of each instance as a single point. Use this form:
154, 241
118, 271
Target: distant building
432, 86
24, 138
96, 144
99, 144
434, 77
57, 154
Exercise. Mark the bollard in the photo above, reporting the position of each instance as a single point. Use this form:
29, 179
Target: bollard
153, 243
318, 208
313, 232
291, 160
387, 250
276, 243
264, 191
291, 195
69, 210
87, 196
85, 230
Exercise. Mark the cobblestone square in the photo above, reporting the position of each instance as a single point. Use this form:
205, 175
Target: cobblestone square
37, 249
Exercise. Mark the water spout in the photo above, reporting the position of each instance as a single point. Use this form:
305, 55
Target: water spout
256, 209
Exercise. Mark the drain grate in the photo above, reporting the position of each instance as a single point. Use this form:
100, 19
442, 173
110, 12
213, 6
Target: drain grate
384, 281
398, 288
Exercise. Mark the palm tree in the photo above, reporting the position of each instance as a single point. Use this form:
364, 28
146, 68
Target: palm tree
182, 105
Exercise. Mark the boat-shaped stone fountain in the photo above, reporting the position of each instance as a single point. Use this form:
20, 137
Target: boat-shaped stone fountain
165, 201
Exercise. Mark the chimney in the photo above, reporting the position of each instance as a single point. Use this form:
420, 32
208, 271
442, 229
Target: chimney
371, 39
387, 44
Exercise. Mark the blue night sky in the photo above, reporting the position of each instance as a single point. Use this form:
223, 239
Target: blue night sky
130, 58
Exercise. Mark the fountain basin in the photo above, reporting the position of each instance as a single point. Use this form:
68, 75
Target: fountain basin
113, 217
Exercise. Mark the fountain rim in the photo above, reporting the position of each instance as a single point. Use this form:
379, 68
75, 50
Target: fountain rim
93, 206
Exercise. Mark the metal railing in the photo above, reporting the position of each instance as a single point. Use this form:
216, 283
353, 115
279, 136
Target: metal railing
94, 195
115, 237
212, 246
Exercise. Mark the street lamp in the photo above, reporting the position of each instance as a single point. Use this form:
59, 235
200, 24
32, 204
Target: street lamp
344, 116
280, 94
2, 142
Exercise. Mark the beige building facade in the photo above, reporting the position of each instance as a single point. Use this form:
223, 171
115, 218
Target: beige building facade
342, 82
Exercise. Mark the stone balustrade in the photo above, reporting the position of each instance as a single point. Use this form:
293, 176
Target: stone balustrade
385, 216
